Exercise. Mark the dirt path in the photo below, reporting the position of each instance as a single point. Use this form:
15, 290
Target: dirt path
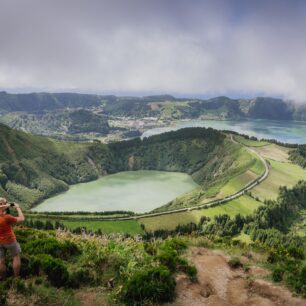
219, 285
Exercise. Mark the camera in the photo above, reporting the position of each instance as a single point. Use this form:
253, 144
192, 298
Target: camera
12, 204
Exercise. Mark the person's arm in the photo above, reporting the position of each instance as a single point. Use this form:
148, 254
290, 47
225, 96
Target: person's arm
20, 217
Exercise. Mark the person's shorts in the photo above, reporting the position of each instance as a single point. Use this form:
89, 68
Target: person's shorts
13, 248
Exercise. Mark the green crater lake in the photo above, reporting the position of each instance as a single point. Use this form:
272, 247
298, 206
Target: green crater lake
138, 191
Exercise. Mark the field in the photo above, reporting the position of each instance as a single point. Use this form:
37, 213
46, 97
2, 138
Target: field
130, 227
274, 152
281, 174
244, 205
249, 142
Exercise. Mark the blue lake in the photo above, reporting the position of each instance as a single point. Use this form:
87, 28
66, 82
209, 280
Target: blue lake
284, 131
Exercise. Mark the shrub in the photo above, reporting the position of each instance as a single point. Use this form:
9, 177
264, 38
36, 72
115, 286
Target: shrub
150, 248
176, 244
277, 274
235, 263
79, 277
297, 280
168, 257
155, 284
297, 253
29, 265
52, 247
55, 269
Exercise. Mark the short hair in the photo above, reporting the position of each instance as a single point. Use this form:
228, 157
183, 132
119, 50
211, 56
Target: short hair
3, 200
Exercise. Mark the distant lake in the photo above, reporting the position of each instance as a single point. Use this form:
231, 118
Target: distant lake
138, 191
284, 131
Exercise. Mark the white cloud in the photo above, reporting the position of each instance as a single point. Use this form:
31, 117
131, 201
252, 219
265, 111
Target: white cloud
180, 47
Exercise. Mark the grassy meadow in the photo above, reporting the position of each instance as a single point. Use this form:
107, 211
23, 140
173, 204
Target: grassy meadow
244, 205
249, 142
130, 227
281, 174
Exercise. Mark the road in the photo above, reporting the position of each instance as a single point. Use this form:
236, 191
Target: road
233, 196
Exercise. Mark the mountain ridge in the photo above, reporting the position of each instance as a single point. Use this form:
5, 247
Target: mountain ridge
155, 105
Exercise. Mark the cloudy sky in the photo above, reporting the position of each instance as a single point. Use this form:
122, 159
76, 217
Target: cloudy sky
190, 47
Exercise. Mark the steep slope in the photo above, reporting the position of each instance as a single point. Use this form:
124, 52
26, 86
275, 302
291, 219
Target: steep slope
48, 101
33, 168
270, 108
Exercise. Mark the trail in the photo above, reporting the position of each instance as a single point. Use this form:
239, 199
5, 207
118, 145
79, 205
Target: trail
220, 285
233, 196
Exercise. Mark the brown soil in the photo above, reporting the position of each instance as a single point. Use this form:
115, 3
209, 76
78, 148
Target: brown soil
220, 285
92, 296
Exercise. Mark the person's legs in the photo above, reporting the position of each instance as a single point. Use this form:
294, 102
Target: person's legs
2, 268
16, 265
14, 249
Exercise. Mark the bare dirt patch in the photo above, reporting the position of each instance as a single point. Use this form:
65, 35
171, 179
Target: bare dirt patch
219, 285
92, 296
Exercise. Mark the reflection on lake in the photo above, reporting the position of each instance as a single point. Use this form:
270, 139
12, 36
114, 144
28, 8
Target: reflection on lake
138, 191
284, 131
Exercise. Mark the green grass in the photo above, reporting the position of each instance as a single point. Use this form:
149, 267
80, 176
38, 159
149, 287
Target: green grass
129, 226
249, 142
281, 174
258, 167
237, 183
244, 205
107, 227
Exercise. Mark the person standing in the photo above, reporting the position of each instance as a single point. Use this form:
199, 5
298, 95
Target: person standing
8, 240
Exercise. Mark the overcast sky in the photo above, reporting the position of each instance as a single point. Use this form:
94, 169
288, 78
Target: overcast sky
191, 47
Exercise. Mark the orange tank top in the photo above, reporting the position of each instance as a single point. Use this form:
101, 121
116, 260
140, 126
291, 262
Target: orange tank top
6, 232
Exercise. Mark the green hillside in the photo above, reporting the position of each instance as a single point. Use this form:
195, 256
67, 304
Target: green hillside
59, 268
160, 106
33, 168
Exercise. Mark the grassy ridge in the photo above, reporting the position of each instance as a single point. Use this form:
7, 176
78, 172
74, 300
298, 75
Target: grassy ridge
250, 142
244, 205
33, 168
281, 174
130, 227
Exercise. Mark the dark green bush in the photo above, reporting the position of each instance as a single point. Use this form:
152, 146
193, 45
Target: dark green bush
277, 274
235, 263
29, 265
176, 244
297, 253
80, 277
296, 279
155, 284
55, 270
168, 257
52, 247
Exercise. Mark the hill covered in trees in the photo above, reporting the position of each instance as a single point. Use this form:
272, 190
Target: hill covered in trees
33, 168
160, 106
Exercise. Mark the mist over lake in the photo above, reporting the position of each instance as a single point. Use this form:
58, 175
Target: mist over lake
137, 191
283, 131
